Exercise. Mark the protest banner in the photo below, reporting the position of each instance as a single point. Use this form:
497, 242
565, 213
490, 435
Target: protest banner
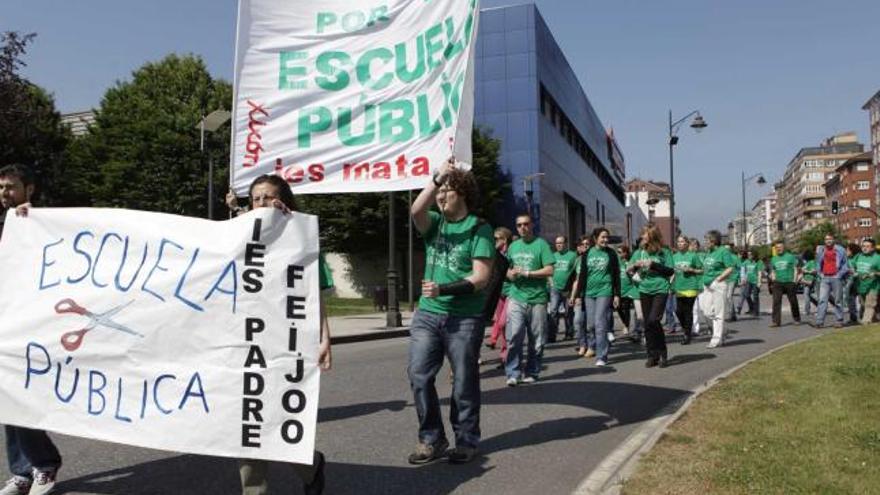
163, 331
352, 96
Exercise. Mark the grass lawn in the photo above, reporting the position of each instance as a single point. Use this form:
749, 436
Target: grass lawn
803, 420
337, 306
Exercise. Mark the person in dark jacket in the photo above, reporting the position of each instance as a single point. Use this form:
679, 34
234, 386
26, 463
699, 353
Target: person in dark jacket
654, 264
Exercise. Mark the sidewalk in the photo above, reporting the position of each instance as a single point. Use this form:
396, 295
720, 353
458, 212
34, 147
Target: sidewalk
364, 327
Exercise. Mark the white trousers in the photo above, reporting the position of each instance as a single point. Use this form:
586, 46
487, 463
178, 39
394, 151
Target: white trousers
713, 303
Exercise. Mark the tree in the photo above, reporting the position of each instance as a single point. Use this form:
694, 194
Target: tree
811, 238
358, 222
30, 126
144, 144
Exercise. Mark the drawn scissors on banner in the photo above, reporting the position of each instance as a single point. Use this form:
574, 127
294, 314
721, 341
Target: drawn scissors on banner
73, 339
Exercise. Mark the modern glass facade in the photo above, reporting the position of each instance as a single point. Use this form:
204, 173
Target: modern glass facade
528, 96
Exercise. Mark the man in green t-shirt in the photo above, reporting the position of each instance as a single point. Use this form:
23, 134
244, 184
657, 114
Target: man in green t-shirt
458, 264
785, 273
559, 289
531, 263
750, 283
866, 266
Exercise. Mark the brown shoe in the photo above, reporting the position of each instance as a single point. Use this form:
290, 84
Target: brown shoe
581, 351
425, 453
590, 353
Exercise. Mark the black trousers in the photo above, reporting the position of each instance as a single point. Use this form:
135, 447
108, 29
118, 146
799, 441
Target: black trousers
653, 307
624, 308
684, 310
790, 291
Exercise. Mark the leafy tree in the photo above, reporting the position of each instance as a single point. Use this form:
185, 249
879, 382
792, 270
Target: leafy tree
144, 144
30, 126
358, 222
811, 238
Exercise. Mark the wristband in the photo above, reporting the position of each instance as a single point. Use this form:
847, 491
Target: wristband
459, 287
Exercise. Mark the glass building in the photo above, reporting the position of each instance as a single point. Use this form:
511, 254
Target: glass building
556, 153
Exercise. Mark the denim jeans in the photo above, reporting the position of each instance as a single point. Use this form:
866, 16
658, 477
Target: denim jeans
748, 293
810, 296
598, 309
558, 308
524, 318
431, 337
670, 312
580, 324
849, 293
27, 449
829, 286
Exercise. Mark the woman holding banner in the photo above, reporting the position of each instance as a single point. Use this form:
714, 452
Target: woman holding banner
270, 191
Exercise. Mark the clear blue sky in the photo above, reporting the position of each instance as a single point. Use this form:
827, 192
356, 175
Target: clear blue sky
770, 77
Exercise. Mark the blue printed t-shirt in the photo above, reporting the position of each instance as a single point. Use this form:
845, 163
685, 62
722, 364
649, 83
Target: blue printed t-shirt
450, 248
529, 256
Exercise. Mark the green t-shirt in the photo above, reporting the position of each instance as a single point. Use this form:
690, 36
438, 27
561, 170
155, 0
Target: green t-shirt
751, 267
563, 268
628, 287
865, 266
651, 281
736, 276
325, 274
686, 281
810, 266
784, 266
531, 256
450, 248
598, 274
715, 262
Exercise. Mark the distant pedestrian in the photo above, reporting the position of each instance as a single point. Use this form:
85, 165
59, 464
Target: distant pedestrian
449, 321
698, 317
598, 284
718, 265
688, 272
560, 288
751, 285
866, 266
809, 281
531, 263
577, 304
785, 273
833, 267
629, 299
502, 237
654, 265
732, 284
850, 284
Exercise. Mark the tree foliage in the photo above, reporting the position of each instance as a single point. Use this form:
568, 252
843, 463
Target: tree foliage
811, 238
30, 128
358, 222
144, 146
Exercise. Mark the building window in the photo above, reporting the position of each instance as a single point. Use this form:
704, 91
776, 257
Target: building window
864, 222
864, 203
863, 185
862, 167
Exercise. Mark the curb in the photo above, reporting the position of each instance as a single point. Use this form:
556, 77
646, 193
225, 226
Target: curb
366, 337
608, 477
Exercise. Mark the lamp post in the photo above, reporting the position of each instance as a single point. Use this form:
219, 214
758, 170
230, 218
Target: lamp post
745, 179
527, 189
210, 123
698, 124
392, 316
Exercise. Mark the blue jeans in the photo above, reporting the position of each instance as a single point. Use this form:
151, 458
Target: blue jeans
523, 318
748, 293
27, 449
670, 312
809, 296
849, 294
558, 307
431, 337
598, 309
580, 324
829, 286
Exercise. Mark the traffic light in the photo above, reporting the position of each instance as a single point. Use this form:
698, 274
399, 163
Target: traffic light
835, 207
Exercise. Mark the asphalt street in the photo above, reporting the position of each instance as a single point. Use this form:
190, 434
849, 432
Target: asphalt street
541, 438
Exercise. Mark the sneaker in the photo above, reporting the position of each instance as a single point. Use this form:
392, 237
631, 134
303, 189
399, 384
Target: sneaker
44, 481
601, 363
610, 337
511, 382
713, 345
529, 379
581, 351
17, 485
316, 487
590, 353
462, 455
426, 453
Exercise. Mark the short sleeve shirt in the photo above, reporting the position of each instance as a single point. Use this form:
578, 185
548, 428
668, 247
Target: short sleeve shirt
810, 266
784, 266
751, 267
651, 281
865, 266
450, 249
598, 274
325, 275
530, 256
715, 262
686, 281
564, 267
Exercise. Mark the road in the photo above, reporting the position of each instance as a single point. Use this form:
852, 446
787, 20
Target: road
542, 438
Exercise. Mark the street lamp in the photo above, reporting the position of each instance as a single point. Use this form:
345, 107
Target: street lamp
745, 179
529, 192
210, 123
698, 124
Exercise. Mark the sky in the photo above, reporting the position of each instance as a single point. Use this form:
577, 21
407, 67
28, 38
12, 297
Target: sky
768, 76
